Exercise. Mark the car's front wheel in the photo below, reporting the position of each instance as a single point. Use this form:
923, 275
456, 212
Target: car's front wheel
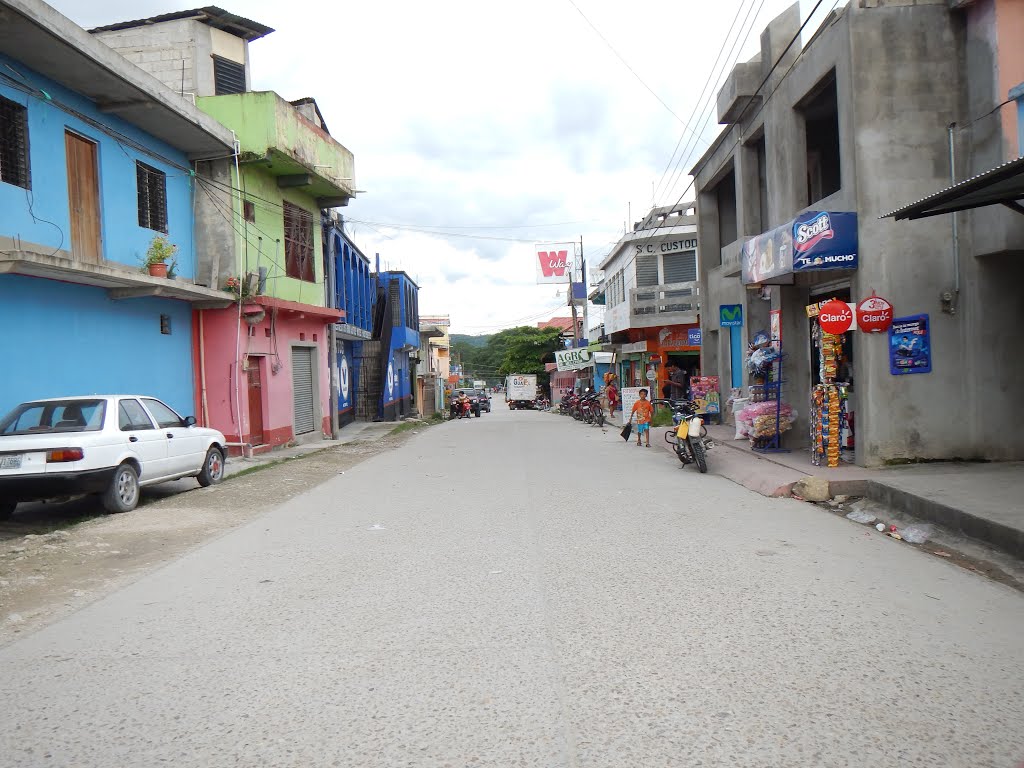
7, 509
213, 468
122, 495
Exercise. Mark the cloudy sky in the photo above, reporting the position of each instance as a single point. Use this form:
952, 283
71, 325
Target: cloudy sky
482, 128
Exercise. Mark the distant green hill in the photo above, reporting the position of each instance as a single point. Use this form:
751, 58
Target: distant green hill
472, 341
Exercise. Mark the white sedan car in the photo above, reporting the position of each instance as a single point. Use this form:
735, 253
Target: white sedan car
104, 444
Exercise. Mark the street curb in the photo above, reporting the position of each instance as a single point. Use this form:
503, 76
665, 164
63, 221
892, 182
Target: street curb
1002, 537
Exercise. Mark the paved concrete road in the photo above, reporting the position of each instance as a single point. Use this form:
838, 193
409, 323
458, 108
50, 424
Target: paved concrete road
522, 590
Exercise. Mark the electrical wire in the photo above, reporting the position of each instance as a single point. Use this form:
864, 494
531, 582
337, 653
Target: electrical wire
710, 103
700, 99
764, 103
626, 63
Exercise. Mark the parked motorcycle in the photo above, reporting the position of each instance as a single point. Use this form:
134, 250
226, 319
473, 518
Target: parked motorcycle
688, 437
591, 410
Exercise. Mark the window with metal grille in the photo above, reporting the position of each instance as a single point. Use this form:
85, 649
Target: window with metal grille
298, 243
228, 76
152, 186
14, 144
395, 298
680, 268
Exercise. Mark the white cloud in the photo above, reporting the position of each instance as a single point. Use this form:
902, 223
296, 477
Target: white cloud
468, 114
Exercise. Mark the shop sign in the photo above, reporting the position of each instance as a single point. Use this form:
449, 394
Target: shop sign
730, 315
665, 246
693, 337
836, 317
824, 240
552, 260
910, 349
572, 359
815, 240
874, 314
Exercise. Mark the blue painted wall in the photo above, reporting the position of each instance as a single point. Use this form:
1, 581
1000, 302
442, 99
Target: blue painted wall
405, 335
124, 240
74, 340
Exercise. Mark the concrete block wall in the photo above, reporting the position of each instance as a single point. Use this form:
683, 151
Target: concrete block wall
170, 51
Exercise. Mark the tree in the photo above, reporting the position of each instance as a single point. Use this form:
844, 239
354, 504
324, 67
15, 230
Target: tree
526, 350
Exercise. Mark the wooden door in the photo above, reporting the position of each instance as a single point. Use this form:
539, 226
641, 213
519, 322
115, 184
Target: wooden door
255, 403
83, 198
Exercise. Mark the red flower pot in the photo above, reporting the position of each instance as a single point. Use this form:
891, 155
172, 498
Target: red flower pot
158, 270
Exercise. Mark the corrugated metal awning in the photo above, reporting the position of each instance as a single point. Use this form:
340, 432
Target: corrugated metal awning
1002, 185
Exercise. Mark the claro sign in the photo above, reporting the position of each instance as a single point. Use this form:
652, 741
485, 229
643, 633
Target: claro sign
572, 359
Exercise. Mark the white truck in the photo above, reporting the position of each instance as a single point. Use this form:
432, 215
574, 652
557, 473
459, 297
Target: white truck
521, 391
479, 384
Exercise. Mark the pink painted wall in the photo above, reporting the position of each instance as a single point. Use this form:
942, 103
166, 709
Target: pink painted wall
220, 335
1010, 64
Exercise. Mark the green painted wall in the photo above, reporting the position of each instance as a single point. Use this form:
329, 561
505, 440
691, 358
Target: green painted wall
261, 188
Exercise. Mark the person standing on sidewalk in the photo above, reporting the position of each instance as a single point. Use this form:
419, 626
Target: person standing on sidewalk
678, 380
644, 412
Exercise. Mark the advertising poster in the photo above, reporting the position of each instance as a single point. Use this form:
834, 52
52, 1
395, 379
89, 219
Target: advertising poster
775, 327
910, 349
704, 390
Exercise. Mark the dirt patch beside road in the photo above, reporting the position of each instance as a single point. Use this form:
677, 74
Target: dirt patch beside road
46, 575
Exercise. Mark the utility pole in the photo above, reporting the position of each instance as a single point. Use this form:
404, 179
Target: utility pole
586, 293
572, 306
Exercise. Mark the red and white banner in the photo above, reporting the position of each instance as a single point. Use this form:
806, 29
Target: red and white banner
554, 262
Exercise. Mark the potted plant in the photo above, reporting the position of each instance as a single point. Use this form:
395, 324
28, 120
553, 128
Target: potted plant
160, 251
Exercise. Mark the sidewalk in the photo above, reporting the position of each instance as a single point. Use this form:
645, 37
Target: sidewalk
358, 430
982, 501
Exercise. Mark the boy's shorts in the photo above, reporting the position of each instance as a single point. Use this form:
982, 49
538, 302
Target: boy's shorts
641, 428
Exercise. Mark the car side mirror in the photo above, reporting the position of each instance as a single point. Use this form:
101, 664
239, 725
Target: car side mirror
190, 421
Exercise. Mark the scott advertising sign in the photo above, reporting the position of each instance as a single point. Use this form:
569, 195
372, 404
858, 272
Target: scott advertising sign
572, 359
554, 262
824, 240
814, 240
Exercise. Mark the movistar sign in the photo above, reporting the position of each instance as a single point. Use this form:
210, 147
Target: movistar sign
730, 315
572, 359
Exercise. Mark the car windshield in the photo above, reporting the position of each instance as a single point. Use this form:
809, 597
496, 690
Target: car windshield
54, 416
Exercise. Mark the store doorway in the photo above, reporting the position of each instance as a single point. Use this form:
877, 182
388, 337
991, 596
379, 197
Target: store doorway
688, 363
832, 365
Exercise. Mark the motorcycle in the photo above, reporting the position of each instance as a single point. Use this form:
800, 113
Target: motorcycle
460, 409
688, 437
591, 410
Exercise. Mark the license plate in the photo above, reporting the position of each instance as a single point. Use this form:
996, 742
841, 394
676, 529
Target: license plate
10, 462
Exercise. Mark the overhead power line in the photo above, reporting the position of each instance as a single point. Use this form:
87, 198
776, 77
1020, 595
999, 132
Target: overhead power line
764, 103
626, 63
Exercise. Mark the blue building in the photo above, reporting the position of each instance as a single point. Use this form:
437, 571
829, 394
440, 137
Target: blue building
399, 323
95, 161
353, 288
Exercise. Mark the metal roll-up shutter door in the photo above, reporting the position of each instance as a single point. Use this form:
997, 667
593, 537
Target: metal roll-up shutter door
302, 389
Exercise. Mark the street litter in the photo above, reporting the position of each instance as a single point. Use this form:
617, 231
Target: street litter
859, 516
880, 527
940, 553
894, 535
918, 533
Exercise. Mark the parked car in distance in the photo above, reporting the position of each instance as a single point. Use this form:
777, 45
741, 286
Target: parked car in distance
484, 398
110, 445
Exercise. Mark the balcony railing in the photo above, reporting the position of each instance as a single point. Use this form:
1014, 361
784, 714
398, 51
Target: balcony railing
663, 299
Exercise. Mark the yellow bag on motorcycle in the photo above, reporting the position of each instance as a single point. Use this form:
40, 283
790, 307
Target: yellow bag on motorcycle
682, 430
